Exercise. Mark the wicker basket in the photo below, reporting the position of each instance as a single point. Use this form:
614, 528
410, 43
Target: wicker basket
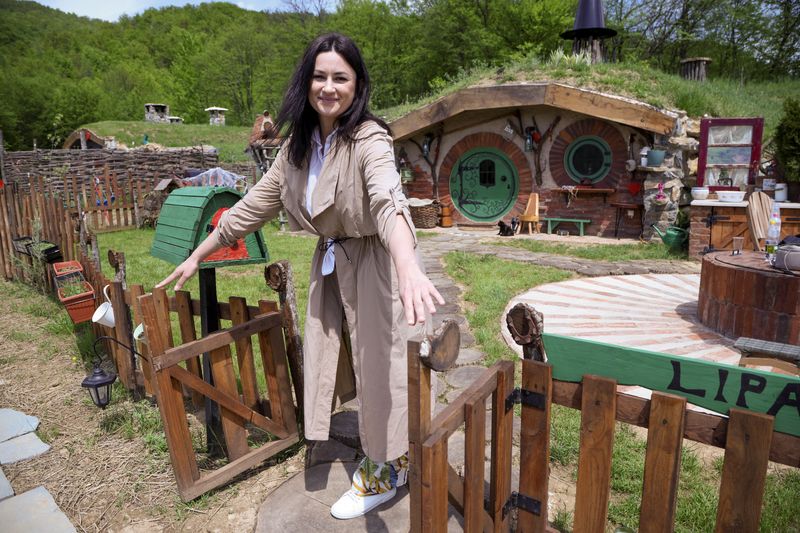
424, 216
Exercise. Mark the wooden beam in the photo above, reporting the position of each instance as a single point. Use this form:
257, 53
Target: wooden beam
615, 109
229, 402
216, 340
512, 96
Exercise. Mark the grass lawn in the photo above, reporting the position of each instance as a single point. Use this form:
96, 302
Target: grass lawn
230, 141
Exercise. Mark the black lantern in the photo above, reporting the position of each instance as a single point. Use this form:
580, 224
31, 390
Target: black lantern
99, 383
426, 144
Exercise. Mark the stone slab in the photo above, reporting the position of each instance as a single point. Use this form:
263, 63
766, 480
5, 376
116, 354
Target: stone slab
303, 503
31, 511
469, 356
462, 377
21, 448
329, 451
344, 428
14, 423
5, 487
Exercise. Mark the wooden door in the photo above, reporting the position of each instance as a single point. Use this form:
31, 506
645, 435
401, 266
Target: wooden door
727, 223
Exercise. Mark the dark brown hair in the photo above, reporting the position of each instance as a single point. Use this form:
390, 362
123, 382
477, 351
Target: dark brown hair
298, 119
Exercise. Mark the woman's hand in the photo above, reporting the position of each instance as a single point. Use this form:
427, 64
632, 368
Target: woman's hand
417, 294
182, 273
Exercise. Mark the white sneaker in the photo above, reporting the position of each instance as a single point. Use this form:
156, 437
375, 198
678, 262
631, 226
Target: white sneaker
353, 504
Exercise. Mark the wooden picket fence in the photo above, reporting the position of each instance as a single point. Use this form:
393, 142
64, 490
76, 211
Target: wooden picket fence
108, 205
105, 206
748, 437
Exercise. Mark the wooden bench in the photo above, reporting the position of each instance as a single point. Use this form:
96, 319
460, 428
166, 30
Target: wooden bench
767, 353
553, 222
584, 375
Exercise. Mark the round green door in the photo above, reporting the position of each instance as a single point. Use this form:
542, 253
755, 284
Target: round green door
484, 184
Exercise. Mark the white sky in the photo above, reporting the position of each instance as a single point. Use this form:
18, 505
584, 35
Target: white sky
111, 10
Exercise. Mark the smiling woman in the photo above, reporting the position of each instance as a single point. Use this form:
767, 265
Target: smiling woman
336, 177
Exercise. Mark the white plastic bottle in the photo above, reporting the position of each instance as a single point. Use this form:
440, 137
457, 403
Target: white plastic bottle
773, 232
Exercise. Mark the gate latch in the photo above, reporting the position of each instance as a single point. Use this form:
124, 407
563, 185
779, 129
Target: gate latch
520, 501
525, 397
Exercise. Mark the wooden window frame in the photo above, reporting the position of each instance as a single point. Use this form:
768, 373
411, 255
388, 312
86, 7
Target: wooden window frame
757, 123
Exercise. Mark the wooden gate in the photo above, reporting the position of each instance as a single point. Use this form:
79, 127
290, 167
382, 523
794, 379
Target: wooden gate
245, 418
748, 438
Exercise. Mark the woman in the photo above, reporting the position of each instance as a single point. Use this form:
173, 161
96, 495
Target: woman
336, 177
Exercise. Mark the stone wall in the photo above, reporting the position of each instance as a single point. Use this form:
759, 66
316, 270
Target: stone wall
677, 174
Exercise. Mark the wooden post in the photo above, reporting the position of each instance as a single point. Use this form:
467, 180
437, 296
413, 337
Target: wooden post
695, 68
502, 421
280, 279
183, 306
663, 463
209, 322
419, 426
744, 471
535, 445
126, 360
170, 399
598, 411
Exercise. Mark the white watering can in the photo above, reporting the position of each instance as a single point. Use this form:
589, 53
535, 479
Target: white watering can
104, 314
138, 334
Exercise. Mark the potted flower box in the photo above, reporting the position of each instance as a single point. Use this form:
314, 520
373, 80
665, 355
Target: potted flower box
21, 245
77, 296
66, 267
47, 251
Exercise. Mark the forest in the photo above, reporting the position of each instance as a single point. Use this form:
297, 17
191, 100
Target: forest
60, 71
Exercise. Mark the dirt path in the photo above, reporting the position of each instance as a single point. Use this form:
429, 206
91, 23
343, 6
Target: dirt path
103, 476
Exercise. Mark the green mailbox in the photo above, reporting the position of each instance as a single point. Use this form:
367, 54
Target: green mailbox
187, 217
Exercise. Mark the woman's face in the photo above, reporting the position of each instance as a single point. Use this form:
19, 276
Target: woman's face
333, 87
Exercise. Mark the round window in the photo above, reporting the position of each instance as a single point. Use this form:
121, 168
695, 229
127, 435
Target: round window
588, 159
484, 184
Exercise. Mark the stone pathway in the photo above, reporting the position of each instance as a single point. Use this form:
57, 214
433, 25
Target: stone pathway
305, 499
35, 510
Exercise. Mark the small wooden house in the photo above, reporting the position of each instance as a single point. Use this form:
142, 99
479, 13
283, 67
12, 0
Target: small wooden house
483, 150
187, 217
86, 139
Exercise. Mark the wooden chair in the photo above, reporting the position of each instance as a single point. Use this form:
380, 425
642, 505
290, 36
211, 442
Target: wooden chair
759, 208
531, 214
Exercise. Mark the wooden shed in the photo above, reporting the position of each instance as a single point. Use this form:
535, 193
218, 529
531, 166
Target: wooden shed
187, 217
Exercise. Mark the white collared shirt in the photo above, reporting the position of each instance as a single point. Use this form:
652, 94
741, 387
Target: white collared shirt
318, 155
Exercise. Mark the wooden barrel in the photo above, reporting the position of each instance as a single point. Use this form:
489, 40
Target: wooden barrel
446, 222
447, 211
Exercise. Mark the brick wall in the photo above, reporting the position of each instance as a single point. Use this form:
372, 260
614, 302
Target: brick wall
699, 234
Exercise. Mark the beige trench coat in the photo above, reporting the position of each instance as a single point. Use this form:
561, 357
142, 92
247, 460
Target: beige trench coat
358, 195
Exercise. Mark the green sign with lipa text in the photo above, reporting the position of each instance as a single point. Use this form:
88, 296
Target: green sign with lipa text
715, 386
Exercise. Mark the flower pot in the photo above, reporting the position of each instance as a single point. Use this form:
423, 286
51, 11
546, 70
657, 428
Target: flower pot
66, 267
660, 200
78, 301
655, 157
